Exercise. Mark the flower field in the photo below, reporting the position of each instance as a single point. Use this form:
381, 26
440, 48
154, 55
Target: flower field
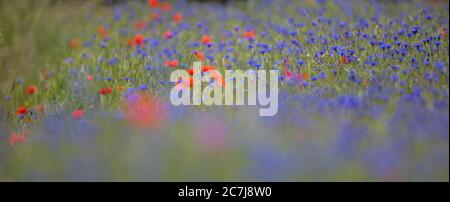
363, 90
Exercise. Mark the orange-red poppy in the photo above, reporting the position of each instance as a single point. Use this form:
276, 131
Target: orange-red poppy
171, 63
102, 31
31, 90
22, 110
206, 39
139, 40
73, 43
153, 3
177, 17
249, 35
105, 91
199, 55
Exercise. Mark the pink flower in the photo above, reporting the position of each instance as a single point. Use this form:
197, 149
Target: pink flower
89, 77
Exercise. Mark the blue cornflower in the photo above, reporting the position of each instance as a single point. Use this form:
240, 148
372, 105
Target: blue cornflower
143, 87
395, 77
112, 61
440, 66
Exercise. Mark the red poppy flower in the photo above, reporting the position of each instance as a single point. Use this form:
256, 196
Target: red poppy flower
166, 6
249, 35
89, 77
343, 60
139, 40
16, 138
105, 91
172, 64
206, 68
31, 90
144, 111
190, 71
22, 110
168, 34
178, 17
140, 25
206, 39
102, 31
190, 82
199, 55
153, 3
77, 114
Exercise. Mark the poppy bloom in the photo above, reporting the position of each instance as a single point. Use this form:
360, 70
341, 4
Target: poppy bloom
31, 90
102, 31
143, 111
190, 71
343, 60
73, 43
303, 76
199, 55
153, 3
22, 110
105, 91
154, 16
178, 17
77, 114
130, 42
139, 40
168, 34
206, 68
190, 82
89, 77
206, 40
140, 25
17, 138
171, 63
249, 35
166, 6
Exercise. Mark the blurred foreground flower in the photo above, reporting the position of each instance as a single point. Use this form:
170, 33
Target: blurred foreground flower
18, 138
144, 111
212, 134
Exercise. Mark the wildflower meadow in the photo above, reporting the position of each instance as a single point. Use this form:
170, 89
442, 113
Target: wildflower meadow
362, 90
